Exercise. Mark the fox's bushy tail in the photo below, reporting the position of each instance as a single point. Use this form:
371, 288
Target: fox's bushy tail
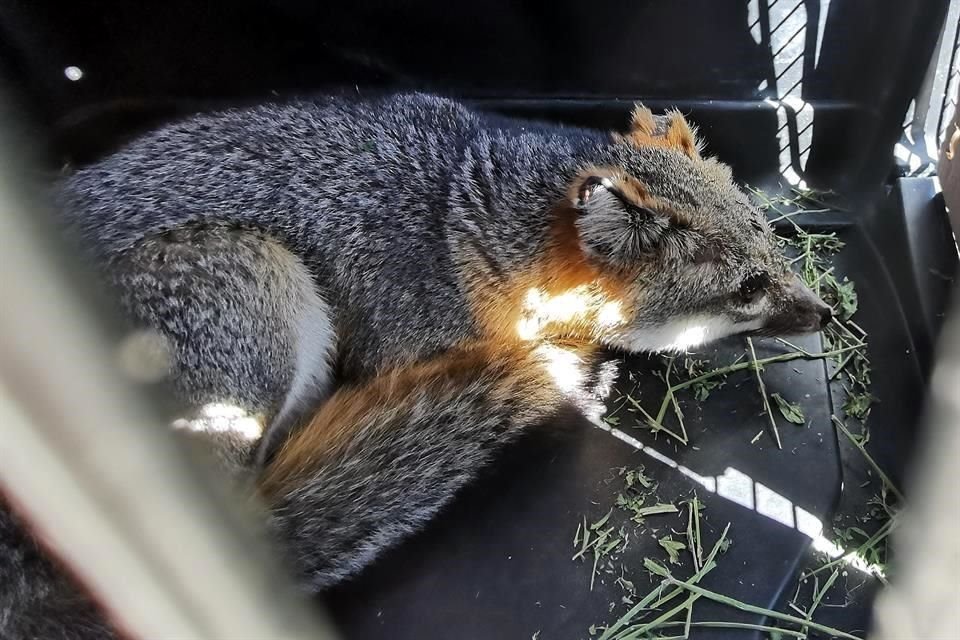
379, 460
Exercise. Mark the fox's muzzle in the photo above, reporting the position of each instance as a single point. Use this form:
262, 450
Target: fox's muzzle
800, 311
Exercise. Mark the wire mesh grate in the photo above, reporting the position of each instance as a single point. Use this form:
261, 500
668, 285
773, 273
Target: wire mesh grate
931, 112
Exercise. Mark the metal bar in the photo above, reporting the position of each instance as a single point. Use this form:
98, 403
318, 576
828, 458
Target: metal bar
921, 601
953, 67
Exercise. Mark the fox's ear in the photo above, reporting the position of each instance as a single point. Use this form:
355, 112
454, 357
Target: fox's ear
669, 131
618, 221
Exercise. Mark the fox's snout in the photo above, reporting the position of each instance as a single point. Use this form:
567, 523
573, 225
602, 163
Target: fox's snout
802, 311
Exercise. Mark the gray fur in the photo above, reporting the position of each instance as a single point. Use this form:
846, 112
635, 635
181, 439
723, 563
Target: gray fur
266, 243
612, 233
241, 314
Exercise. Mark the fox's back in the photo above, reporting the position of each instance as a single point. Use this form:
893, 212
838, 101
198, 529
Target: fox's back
332, 165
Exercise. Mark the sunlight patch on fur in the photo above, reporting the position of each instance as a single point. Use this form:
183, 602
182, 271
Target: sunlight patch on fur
582, 304
610, 314
219, 417
689, 338
683, 334
564, 367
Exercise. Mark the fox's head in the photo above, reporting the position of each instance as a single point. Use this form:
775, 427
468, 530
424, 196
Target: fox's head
690, 257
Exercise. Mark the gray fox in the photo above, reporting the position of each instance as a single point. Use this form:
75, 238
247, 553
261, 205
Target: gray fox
392, 284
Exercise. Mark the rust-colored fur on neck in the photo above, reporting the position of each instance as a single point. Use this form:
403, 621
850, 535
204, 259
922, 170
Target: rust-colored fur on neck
562, 270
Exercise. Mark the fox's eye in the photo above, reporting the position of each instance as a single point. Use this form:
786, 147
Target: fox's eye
753, 287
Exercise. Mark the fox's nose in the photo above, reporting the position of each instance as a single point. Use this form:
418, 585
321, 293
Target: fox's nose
826, 315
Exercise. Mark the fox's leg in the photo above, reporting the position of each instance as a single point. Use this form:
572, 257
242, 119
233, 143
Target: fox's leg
239, 316
378, 460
